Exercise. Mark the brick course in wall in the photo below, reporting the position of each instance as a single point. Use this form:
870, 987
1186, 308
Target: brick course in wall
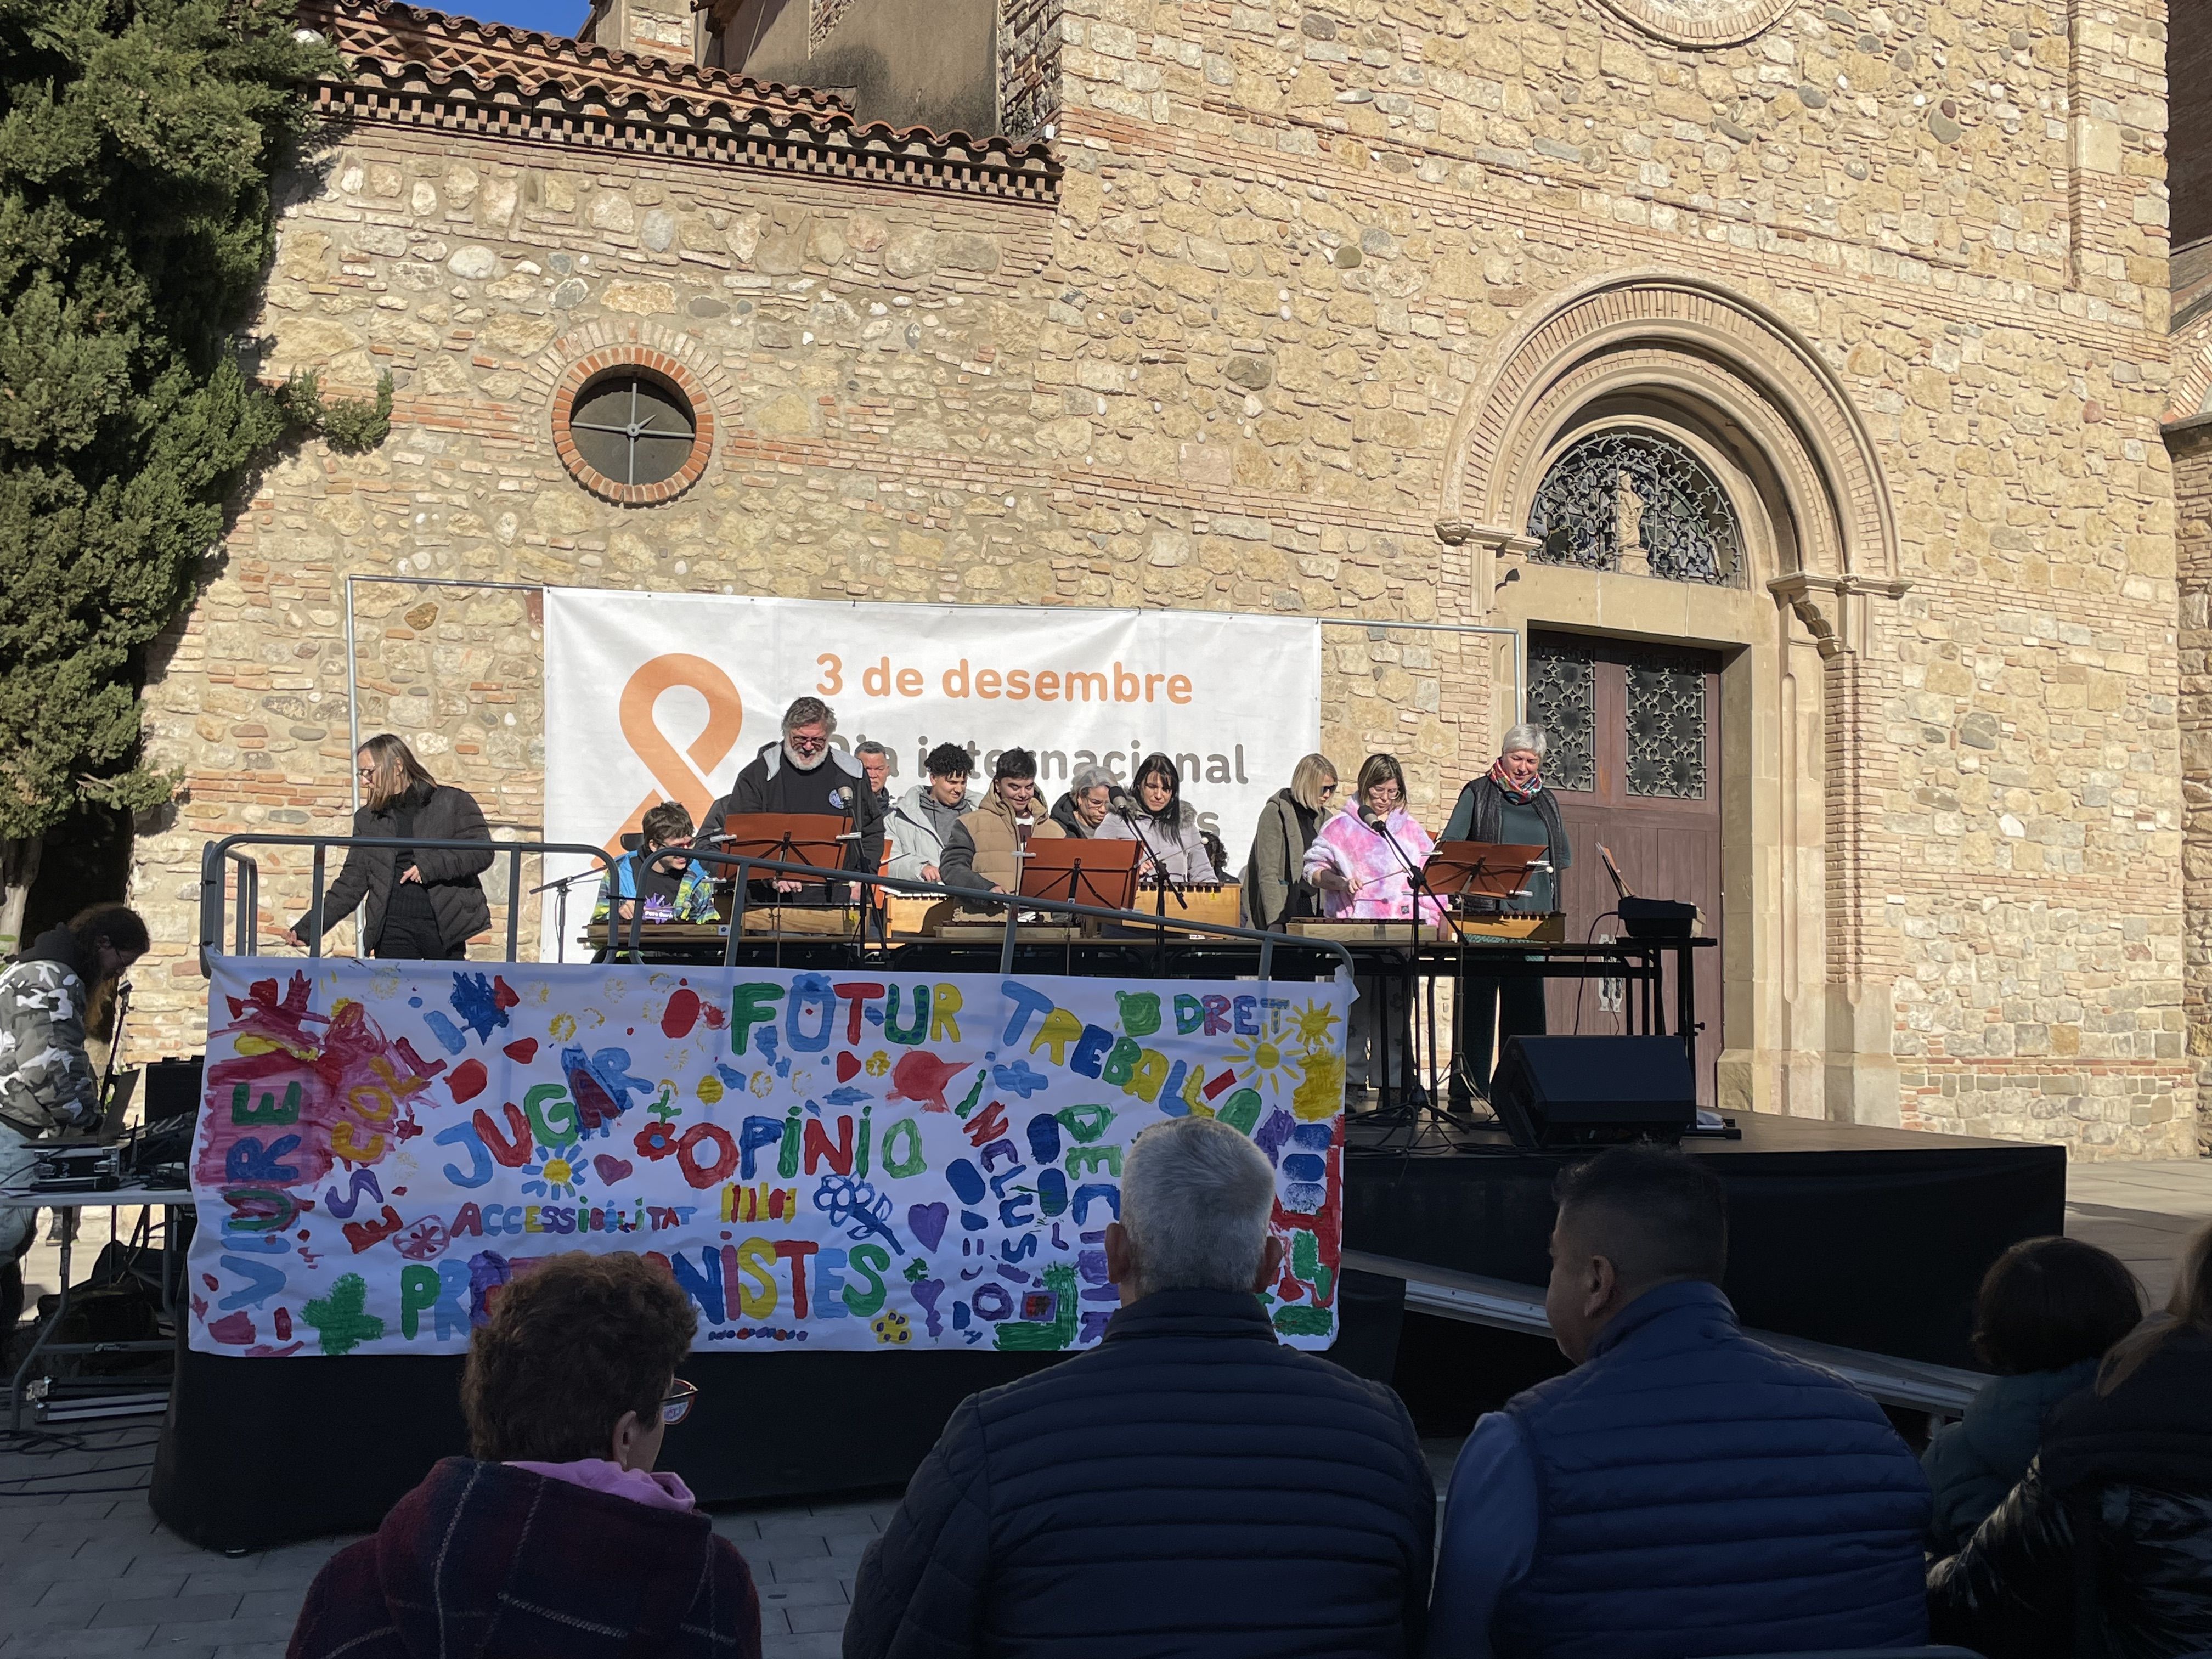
1225, 355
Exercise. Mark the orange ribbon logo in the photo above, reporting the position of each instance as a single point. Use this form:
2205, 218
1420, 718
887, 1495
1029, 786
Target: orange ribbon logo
676, 780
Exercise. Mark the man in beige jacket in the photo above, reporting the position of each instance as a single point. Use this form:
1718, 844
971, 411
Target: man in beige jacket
983, 854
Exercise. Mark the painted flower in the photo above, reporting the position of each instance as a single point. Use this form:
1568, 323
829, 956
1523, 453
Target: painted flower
656, 1141
558, 1175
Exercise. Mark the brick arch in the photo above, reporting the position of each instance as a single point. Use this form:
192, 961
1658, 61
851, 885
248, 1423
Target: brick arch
1702, 24
590, 347
1695, 339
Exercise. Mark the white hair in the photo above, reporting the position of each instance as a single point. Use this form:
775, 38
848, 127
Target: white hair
1528, 735
1196, 1197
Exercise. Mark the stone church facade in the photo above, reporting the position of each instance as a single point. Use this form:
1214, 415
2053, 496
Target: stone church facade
1815, 356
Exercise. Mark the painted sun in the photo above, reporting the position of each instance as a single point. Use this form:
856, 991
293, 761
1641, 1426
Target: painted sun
556, 1175
1314, 1024
1264, 1060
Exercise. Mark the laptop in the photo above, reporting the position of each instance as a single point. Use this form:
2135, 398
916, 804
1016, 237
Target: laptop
109, 1130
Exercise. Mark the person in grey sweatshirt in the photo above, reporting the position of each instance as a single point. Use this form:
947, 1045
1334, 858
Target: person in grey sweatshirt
921, 818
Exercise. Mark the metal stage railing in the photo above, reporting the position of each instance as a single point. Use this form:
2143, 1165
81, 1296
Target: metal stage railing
218, 859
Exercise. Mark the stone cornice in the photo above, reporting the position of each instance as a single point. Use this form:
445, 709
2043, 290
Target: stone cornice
421, 68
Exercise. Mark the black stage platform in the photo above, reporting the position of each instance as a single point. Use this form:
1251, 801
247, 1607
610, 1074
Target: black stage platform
1864, 1238
1868, 1238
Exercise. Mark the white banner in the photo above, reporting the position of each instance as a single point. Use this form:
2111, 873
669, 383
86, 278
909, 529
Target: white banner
874, 1159
654, 696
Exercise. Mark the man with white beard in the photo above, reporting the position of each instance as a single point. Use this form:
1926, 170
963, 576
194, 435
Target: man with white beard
802, 772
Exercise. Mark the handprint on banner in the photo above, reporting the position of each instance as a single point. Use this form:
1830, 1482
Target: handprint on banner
673, 779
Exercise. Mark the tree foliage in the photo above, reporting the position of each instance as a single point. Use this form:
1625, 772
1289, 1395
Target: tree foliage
138, 142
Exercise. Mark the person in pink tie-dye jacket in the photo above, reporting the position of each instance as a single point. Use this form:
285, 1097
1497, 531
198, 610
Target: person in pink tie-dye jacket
1362, 861
1359, 859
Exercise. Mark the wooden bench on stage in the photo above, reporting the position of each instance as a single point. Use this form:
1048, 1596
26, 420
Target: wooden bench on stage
1941, 1391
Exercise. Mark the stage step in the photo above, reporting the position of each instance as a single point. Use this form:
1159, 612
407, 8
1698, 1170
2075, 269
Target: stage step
1940, 1390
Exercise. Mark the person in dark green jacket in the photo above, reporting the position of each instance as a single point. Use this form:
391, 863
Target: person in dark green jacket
2049, 1309
1508, 807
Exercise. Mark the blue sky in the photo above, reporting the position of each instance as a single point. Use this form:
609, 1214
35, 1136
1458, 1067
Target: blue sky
553, 16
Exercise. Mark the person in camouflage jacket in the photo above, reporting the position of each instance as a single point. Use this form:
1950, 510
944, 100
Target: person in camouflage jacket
46, 1083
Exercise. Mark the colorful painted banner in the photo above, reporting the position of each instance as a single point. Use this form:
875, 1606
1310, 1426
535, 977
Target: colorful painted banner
846, 1160
666, 696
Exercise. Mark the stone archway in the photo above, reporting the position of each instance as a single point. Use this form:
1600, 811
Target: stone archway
1807, 978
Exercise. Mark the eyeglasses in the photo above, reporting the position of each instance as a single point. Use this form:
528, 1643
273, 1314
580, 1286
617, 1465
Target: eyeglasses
1326, 790
1385, 792
808, 745
678, 1406
364, 771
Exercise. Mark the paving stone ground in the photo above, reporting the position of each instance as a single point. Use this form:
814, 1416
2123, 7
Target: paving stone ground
86, 1572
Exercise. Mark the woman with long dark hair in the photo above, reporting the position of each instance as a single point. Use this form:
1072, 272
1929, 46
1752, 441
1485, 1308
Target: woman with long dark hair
2104, 1550
427, 902
1157, 817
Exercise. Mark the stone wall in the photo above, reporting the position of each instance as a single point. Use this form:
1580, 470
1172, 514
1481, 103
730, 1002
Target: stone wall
1242, 363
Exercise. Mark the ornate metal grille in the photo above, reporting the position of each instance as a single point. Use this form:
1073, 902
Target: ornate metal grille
1666, 730
1639, 502
1563, 700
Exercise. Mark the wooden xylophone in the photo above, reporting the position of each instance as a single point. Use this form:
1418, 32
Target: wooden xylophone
1215, 902
1529, 928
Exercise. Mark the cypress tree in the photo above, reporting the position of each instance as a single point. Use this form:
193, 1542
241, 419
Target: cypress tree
138, 142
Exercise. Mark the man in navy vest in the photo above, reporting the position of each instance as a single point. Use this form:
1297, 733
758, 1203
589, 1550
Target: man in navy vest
1188, 1489
1684, 1491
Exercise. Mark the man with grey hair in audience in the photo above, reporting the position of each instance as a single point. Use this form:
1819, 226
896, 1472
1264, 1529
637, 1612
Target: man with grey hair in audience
1190, 1487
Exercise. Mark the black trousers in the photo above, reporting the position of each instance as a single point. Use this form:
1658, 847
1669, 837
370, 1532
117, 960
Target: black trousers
1487, 1011
415, 939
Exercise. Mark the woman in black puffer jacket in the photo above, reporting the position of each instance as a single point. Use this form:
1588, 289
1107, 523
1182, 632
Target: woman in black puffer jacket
425, 904
2104, 1550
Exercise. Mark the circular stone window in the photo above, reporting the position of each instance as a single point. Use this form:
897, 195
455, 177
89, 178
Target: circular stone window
632, 427
1698, 23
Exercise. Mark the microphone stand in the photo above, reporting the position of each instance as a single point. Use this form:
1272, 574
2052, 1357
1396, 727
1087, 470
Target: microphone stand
560, 888
1162, 883
1417, 885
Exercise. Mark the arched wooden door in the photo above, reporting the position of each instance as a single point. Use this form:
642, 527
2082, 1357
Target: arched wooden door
1634, 759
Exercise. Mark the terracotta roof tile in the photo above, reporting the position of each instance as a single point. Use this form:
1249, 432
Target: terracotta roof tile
392, 34
415, 67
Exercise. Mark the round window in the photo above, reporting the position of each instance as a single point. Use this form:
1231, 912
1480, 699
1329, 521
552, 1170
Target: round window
636, 433
632, 429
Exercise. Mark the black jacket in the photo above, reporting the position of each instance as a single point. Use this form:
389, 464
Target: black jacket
835, 788
449, 878
1189, 1487
2104, 1550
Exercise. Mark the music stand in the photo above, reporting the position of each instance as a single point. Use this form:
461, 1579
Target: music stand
1100, 872
809, 838
1477, 869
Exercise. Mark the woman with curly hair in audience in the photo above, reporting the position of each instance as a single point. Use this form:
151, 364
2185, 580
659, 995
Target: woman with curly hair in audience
556, 1539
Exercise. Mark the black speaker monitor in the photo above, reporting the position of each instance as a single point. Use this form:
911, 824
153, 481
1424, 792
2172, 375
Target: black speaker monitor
1594, 1091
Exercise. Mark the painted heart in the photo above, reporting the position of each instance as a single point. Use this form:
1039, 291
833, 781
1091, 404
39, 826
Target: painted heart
522, 1050
849, 1066
927, 1222
612, 1170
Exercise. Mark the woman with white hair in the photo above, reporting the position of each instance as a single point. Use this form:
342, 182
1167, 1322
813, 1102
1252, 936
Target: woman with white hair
1092, 794
1510, 807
